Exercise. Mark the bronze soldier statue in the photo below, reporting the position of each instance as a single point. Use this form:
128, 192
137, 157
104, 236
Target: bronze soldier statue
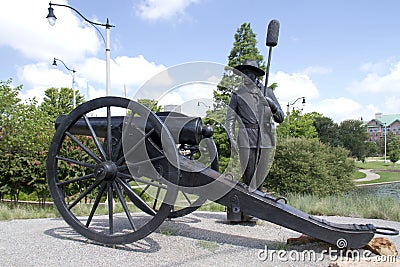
255, 115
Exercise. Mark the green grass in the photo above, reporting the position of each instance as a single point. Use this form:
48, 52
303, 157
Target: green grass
212, 207
378, 165
14, 212
384, 178
358, 175
350, 205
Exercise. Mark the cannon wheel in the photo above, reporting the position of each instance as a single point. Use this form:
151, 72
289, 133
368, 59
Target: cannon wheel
89, 181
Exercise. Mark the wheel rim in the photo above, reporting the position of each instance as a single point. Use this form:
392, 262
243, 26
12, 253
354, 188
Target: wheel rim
93, 168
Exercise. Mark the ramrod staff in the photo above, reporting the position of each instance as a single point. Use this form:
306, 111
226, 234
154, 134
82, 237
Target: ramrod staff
271, 41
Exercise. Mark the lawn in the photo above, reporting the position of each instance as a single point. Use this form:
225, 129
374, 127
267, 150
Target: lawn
378, 165
384, 178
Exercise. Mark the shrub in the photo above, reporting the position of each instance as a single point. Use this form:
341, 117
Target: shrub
309, 166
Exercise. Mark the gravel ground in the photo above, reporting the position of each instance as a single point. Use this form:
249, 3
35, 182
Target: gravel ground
198, 239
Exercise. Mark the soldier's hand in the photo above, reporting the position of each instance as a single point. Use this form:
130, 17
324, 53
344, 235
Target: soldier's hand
272, 104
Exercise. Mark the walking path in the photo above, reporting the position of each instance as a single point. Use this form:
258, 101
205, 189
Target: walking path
369, 175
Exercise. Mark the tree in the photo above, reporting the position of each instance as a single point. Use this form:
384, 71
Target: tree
60, 101
298, 125
24, 137
353, 136
150, 104
327, 130
394, 149
244, 47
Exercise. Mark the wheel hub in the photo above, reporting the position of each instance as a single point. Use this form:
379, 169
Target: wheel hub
105, 171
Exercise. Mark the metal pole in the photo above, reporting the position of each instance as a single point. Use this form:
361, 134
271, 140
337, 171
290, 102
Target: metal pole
288, 115
73, 88
267, 71
385, 143
108, 51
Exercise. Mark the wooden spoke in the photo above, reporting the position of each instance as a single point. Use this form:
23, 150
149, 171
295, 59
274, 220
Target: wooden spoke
80, 163
95, 139
87, 191
77, 179
141, 180
96, 203
138, 201
123, 203
87, 150
110, 208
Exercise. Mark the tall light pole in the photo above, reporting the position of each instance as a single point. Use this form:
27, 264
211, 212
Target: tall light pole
288, 111
385, 143
52, 20
73, 71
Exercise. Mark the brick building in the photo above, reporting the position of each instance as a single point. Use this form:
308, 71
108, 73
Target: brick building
376, 126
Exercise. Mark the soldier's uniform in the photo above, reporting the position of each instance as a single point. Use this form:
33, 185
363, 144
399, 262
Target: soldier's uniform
255, 115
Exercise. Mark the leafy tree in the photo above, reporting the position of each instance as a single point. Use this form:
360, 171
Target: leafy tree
150, 104
60, 101
372, 149
298, 125
394, 149
24, 138
328, 131
353, 136
244, 47
307, 166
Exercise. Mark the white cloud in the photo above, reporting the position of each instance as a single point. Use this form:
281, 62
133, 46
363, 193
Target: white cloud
90, 76
376, 83
161, 9
392, 104
68, 39
40, 77
338, 109
292, 86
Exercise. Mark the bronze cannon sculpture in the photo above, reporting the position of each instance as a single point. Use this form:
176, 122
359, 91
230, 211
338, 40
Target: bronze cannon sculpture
116, 171
132, 172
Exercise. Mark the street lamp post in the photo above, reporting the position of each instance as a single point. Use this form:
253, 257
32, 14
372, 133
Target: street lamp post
52, 20
288, 111
73, 71
385, 142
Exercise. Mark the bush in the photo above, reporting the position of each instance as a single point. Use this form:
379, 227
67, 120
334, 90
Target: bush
311, 167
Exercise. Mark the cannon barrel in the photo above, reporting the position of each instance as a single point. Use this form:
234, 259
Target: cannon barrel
184, 129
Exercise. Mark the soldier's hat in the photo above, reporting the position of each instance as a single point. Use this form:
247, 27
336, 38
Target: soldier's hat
250, 65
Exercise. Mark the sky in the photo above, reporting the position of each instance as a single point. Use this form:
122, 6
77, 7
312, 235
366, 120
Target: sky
342, 56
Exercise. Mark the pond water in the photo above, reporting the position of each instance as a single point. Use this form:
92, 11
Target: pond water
390, 190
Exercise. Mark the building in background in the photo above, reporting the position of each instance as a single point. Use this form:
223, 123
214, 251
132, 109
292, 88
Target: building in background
376, 127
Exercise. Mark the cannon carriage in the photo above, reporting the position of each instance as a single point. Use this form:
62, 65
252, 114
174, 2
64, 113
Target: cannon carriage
133, 169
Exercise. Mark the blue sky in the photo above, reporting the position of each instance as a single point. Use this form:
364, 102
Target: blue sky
343, 56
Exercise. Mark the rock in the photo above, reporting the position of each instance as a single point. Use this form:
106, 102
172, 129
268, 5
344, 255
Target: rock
382, 246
